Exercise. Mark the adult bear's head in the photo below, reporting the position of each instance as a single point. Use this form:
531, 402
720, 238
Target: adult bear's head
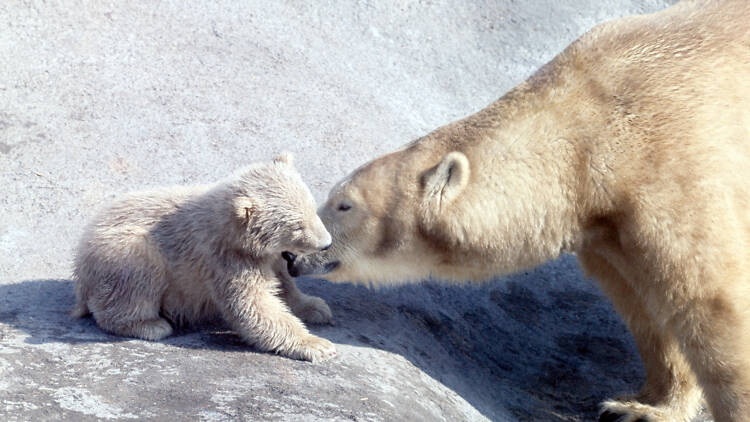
480, 197
394, 220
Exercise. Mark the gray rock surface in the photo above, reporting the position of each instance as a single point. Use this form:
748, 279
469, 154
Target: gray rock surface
101, 98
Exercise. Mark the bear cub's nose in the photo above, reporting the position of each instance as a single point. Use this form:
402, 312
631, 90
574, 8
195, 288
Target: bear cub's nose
325, 248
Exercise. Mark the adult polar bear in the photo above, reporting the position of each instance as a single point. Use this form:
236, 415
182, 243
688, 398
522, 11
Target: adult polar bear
631, 149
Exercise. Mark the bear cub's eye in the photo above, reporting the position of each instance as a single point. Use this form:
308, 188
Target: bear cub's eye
344, 207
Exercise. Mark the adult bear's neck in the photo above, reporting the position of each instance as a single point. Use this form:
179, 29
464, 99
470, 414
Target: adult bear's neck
523, 204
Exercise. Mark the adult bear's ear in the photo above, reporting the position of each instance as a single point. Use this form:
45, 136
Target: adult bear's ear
284, 158
244, 208
445, 182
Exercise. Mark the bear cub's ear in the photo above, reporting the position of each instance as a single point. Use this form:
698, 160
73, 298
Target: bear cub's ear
444, 182
284, 158
244, 208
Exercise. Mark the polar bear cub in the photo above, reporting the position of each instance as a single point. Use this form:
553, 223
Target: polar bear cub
185, 254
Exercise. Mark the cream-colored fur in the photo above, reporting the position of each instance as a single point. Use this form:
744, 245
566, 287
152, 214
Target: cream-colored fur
631, 149
187, 254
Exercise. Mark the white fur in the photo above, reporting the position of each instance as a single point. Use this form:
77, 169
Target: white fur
186, 254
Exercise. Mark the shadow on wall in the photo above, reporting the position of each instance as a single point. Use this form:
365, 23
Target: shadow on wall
540, 345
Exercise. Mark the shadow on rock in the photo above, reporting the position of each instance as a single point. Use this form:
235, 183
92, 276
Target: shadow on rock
41, 309
542, 345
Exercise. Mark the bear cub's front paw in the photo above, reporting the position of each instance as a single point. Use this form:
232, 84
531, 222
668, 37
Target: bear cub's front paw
313, 310
314, 349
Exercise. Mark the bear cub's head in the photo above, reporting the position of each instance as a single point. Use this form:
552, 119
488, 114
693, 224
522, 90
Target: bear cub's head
276, 212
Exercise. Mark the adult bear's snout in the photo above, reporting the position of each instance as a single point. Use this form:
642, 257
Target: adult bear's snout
288, 256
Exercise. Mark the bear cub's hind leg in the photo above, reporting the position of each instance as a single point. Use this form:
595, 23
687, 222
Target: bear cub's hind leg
147, 329
127, 298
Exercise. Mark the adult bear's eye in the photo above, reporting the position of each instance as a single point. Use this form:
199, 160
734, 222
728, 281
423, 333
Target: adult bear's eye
344, 207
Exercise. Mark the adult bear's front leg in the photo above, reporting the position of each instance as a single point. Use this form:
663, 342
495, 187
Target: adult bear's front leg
670, 392
249, 303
